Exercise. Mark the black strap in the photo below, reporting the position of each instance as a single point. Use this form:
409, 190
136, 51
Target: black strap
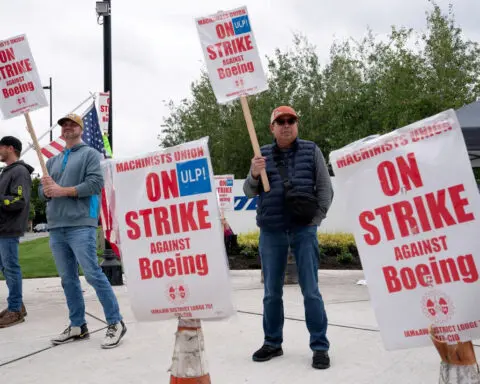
283, 170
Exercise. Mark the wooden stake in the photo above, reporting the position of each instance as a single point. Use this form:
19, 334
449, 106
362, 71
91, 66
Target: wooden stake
253, 139
35, 144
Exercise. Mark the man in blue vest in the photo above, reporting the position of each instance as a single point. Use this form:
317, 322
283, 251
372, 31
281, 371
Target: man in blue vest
289, 215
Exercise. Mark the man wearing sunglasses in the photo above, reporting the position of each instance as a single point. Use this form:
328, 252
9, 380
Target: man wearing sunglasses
288, 216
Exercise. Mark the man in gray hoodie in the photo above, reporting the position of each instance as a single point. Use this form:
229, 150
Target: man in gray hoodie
72, 191
15, 188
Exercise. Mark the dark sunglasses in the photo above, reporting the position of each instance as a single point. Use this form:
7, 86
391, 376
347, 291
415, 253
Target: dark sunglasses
290, 121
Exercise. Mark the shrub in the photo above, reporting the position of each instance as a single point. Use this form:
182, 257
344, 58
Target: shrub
336, 249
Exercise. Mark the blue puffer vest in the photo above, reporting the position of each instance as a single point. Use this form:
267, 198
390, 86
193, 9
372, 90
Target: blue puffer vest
300, 159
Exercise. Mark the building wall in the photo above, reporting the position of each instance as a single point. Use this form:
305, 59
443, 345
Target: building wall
242, 219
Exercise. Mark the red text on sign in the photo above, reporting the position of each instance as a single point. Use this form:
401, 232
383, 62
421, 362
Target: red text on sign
434, 210
165, 220
235, 70
228, 48
16, 68
8, 54
441, 272
224, 30
18, 89
178, 266
163, 184
407, 168
421, 248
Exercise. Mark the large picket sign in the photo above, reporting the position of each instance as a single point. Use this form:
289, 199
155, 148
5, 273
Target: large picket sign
414, 208
171, 238
20, 88
231, 54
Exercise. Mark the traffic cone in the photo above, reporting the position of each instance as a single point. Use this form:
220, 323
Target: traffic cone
189, 363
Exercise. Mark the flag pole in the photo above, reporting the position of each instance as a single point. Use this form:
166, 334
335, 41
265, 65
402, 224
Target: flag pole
52, 127
111, 265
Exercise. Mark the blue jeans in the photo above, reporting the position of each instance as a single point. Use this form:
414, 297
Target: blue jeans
273, 248
10, 268
78, 245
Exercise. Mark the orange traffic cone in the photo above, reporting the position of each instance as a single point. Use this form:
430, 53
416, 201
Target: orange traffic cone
189, 364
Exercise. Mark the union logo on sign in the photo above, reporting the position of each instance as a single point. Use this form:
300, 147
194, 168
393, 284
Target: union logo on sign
177, 292
437, 306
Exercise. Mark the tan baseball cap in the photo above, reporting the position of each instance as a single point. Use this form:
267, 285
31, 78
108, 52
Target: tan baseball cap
282, 110
72, 117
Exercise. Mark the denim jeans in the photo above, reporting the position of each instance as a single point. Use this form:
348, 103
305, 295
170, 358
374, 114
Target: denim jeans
78, 245
10, 268
273, 248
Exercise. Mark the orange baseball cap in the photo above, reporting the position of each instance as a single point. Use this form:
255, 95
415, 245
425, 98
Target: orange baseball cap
282, 110
72, 117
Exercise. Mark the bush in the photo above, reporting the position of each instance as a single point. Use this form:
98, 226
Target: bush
337, 251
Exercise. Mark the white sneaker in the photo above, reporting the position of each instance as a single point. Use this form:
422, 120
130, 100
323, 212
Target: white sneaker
114, 334
70, 334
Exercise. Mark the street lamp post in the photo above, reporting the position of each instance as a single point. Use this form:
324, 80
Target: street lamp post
111, 266
50, 88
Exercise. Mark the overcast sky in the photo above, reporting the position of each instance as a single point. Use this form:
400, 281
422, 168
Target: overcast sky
157, 53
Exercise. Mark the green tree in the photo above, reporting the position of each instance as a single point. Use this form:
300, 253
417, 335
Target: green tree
366, 87
39, 207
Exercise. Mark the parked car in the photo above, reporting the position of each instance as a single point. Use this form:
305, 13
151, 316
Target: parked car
41, 227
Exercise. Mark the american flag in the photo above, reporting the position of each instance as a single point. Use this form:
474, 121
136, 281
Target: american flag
92, 136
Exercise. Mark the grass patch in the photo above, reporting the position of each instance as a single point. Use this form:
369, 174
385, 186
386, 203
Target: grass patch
36, 259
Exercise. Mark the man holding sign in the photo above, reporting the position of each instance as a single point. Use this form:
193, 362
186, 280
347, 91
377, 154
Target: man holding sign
300, 196
72, 191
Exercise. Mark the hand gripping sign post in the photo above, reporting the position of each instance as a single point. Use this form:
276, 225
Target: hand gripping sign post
171, 239
20, 86
415, 217
233, 63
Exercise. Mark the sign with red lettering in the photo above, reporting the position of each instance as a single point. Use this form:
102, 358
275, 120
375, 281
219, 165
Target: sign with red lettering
20, 88
415, 211
171, 236
231, 54
224, 186
103, 110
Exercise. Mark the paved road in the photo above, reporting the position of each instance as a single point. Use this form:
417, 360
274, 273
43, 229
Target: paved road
32, 236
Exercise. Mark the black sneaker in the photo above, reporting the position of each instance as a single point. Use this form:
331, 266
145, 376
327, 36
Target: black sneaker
320, 360
266, 353
70, 334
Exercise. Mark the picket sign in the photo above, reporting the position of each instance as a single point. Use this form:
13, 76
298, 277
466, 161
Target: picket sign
21, 89
415, 212
233, 63
166, 214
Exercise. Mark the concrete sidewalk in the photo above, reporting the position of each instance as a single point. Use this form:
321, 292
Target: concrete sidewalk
144, 356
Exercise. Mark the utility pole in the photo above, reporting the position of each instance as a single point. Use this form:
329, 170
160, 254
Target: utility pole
111, 266
50, 88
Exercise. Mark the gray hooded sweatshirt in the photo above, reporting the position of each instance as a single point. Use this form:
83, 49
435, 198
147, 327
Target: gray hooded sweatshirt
77, 167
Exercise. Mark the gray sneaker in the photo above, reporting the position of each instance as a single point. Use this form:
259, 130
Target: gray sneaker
71, 334
114, 334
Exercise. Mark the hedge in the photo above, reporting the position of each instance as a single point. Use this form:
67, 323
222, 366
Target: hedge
337, 251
